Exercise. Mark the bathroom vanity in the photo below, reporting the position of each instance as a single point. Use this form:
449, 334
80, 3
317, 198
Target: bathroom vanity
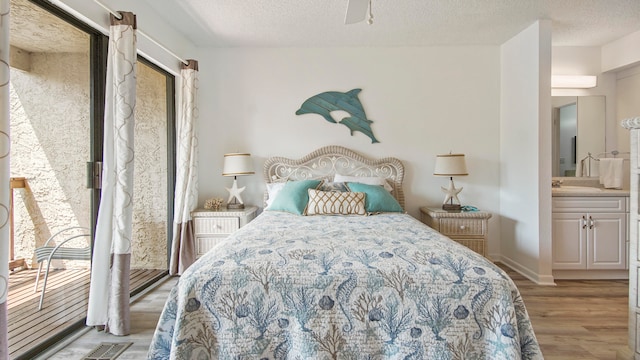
590, 236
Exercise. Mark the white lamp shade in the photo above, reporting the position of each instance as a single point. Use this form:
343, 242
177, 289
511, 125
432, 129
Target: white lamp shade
237, 164
450, 165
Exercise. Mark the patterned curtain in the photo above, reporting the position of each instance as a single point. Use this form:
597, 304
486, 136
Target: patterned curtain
4, 175
183, 252
109, 290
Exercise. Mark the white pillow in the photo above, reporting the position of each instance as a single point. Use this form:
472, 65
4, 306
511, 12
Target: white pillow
368, 180
272, 191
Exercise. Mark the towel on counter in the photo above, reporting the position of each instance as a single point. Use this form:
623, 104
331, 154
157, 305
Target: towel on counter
611, 173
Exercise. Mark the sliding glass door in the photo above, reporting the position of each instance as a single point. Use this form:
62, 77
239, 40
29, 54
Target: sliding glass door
153, 169
58, 67
51, 125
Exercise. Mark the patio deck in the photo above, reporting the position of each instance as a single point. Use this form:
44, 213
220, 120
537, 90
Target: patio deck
65, 303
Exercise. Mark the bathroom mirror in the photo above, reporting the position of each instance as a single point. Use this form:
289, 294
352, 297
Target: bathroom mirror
578, 129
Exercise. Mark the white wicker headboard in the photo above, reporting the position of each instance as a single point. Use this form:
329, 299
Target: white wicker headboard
325, 162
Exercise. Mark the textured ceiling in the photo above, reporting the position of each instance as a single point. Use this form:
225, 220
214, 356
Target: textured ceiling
36, 30
294, 23
318, 23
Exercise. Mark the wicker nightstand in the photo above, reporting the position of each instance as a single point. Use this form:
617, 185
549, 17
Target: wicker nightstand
211, 226
467, 228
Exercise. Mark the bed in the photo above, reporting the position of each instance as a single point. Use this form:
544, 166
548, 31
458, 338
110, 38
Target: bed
382, 286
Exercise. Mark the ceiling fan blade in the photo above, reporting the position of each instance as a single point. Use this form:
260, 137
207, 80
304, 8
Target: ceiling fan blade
356, 11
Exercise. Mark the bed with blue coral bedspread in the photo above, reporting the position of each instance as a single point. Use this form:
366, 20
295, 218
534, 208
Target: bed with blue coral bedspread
343, 287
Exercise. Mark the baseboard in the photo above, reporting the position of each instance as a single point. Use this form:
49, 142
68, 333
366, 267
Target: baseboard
591, 274
546, 280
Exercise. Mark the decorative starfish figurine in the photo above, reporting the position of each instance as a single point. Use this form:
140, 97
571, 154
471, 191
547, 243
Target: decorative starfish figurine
451, 193
234, 191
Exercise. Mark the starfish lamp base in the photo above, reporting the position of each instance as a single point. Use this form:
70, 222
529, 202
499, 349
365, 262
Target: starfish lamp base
234, 194
451, 201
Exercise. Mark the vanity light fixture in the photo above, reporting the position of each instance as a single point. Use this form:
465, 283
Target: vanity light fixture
574, 81
451, 165
236, 164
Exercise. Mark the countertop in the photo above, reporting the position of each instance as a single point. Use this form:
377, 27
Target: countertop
586, 191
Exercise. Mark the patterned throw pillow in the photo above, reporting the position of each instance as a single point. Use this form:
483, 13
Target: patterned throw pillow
335, 203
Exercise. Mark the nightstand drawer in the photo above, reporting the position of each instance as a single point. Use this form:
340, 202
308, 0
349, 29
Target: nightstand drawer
207, 243
470, 227
475, 244
218, 225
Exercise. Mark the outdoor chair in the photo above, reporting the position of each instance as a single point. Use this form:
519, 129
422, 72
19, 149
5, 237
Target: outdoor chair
59, 252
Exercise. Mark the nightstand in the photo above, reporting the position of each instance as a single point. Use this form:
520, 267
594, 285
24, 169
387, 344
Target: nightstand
467, 228
211, 226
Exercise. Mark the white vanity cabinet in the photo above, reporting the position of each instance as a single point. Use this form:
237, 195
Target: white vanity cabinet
589, 233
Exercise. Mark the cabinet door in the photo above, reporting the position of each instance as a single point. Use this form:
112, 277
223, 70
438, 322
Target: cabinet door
606, 244
569, 242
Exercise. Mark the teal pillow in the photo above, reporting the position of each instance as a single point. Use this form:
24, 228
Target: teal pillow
378, 199
294, 196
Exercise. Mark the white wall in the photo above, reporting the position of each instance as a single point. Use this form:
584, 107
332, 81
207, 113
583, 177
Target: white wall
622, 53
628, 102
423, 101
525, 152
621, 59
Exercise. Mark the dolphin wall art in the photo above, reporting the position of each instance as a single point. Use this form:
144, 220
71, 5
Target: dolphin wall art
324, 103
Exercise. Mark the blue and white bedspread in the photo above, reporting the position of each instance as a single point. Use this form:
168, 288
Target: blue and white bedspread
343, 287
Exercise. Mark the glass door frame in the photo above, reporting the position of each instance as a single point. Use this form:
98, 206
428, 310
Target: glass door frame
97, 80
171, 162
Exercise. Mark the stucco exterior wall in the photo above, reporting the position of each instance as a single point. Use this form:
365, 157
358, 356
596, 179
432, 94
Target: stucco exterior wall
150, 183
50, 147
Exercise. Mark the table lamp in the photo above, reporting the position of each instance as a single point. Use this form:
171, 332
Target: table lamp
450, 165
236, 164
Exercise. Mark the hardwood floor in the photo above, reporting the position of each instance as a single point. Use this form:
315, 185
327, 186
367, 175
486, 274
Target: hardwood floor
65, 303
577, 319
573, 320
145, 312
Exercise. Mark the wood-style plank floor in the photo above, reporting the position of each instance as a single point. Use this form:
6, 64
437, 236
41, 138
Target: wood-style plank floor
65, 303
573, 320
145, 312
577, 319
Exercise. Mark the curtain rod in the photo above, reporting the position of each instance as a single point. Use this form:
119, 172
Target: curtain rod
117, 15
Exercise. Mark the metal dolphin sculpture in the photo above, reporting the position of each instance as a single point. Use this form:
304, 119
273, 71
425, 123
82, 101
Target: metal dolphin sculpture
324, 103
